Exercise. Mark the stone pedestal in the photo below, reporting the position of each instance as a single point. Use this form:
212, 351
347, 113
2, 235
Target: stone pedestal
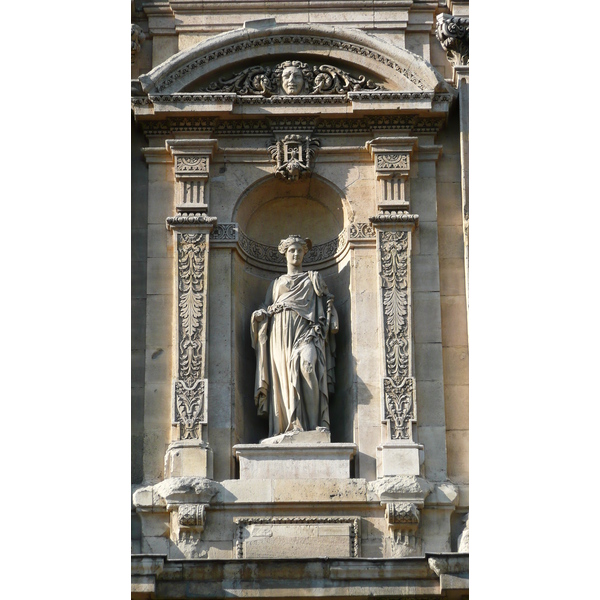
191, 458
292, 458
398, 459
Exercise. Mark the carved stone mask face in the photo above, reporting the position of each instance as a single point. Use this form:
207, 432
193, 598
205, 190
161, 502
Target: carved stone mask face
294, 255
292, 80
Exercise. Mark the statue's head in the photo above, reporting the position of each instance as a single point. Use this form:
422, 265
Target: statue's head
294, 242
292, 76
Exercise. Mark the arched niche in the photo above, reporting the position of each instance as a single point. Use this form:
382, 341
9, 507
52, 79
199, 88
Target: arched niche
314, 207
267, 212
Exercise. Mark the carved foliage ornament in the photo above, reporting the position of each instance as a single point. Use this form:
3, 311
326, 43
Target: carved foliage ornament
453, 34
190, 387
392, 161
191, 164
189, 404
293, 155
292, 78
397, 386
192, 515
191, 259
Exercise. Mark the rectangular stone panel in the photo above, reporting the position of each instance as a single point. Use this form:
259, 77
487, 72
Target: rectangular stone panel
297, 537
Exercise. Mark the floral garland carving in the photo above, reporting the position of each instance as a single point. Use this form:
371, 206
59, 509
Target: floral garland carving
282, 40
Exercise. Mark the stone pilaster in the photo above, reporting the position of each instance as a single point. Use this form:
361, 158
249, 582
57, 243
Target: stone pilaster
191, 163
399, 454
189, 453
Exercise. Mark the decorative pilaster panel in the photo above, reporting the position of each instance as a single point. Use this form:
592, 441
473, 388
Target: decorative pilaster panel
398, 386
190, 386
392, 157
399, 453
191, 167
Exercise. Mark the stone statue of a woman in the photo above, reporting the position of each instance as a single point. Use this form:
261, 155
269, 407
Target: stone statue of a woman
293, 336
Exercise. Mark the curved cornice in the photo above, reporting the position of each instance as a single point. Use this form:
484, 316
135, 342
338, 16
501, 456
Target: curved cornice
403, 69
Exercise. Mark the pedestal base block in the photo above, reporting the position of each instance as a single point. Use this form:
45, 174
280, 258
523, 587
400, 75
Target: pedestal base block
294, 460
398, 459
189, 458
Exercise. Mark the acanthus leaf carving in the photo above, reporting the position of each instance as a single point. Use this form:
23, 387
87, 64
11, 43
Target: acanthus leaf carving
191, 260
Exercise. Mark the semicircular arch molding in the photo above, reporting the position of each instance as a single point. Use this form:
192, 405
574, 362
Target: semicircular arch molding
400, 69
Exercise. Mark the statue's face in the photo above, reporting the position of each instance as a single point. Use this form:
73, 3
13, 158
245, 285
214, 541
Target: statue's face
292, 80
294, 254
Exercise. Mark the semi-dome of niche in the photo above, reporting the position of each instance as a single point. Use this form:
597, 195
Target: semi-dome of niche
274, 209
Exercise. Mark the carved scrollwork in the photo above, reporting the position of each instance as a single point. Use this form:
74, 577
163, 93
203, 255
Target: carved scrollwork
453, 34
399, 405
292, 78
190, 408
224, 232
361, 231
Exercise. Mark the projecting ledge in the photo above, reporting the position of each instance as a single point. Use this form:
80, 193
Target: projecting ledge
294, 460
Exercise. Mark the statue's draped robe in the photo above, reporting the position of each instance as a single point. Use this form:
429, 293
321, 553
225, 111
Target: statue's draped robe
293, 343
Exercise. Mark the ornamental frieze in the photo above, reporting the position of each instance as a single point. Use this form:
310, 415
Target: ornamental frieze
292, 78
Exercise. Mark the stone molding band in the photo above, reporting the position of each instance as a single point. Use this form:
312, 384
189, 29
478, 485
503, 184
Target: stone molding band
230, 234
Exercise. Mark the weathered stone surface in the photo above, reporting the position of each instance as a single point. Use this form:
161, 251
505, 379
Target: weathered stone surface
299, 123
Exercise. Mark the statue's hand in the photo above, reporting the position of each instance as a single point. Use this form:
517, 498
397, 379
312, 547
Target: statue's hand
259, 315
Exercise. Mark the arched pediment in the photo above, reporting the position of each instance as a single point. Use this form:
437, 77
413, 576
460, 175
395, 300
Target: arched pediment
359, 60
